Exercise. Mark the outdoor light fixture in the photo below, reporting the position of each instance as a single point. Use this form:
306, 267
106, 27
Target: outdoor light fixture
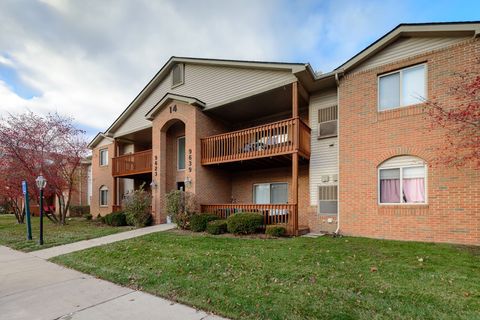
188, 182
41, 184
153, 184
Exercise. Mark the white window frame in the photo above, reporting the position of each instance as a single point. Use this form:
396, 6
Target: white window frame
100, 157
178, 153
182, 68
102, 189
401, 203
400, 72
269, 190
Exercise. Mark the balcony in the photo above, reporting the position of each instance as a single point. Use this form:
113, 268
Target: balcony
274, 139
272, 213
132, 164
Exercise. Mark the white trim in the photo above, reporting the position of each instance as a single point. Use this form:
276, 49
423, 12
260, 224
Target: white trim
103, 188
185, 153
269, 190
401, 203
182, 68
400, 72
100, 157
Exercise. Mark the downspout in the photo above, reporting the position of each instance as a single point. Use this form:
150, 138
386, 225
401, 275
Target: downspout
337, 80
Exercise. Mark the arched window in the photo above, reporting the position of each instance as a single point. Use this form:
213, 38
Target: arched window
103, 196
402, 179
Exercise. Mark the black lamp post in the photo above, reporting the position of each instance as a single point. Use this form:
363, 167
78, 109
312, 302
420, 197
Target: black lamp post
41, 184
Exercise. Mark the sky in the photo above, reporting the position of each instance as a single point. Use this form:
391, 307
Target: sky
88, 59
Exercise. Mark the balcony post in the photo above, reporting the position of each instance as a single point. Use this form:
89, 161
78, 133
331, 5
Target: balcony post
295, 157
115, 186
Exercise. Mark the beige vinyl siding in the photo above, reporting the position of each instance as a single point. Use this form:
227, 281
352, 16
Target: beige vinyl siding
324, 156
406, 47
212, 85
104, 142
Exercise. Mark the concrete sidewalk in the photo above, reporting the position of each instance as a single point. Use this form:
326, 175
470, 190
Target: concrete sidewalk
32, 288
85, 244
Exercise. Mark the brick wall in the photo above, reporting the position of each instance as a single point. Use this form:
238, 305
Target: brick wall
367, 138
242, 192
101, 175
207, 183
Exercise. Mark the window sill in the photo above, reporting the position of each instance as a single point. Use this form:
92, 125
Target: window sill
177, 85
403, 206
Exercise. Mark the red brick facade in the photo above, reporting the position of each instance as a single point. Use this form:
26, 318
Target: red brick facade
368, 137
102, 176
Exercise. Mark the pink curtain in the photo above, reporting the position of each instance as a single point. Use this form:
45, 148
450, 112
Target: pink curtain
414, 190
390, 190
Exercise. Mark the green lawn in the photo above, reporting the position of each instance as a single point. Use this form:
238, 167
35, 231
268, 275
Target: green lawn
298, 278
14, 235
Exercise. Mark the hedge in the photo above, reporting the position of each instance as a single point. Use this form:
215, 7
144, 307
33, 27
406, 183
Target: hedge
79, 211
116, 219
217, 227
275, 230
198, 222
244, 223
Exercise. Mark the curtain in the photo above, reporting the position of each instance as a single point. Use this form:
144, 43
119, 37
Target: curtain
390, 190
414, 190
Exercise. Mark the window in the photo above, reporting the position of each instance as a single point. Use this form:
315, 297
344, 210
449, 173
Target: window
270, 193
327, 122
402, 180
177, 74
103, 196
402, 88
327, 200
104, 157
181, 153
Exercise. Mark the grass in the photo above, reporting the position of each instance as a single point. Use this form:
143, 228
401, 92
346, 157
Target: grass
299, 278
13, 235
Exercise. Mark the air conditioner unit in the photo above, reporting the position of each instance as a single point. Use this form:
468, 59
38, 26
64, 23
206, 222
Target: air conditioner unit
327, 129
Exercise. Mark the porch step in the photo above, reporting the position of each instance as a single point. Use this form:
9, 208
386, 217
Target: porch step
302, 230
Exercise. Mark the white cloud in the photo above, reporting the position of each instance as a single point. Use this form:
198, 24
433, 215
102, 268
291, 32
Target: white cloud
89, 59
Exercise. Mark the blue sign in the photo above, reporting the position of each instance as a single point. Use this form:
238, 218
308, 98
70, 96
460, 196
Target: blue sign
24, 187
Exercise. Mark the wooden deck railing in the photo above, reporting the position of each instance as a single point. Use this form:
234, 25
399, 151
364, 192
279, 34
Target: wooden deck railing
272, 213
133, 163
277, 138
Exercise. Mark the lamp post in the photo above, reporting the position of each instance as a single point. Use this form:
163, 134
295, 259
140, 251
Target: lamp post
41, 184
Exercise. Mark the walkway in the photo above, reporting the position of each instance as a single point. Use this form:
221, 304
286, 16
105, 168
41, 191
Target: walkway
33, 288
85, 244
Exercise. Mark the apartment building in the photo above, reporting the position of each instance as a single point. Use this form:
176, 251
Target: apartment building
345, 151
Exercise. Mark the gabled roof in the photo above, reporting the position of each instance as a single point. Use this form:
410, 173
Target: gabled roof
96, 140
413, 29
172, 97
163, 72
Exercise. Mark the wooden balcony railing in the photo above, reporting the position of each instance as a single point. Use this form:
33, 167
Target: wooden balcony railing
277, 138
272, 213
133, 163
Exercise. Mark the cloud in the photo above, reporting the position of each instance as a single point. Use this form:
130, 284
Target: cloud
88, 59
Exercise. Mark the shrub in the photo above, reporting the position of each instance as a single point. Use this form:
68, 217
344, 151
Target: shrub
244, 223
137, 208
79, 211
275, 230
87, 216
217, 227
198, 222
116, 219
181, 206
